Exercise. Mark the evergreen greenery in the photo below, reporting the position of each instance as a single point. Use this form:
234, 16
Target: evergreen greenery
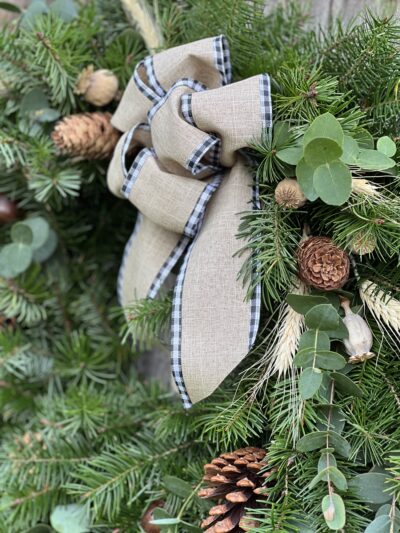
79, 426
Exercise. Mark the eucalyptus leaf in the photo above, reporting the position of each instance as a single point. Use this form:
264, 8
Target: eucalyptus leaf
350, 150
383, 524
71, 518
330, 360
320, 151
386, 146
374, 160
46, 115
303, 303
309, 382
345, 385
334, 511
36, 9
159, 513
318, 439
327, 126
291, 155
40, 230
40, 528
371, 487
177, 486
341, 332
334, 475
314, 341
326, 460
364, 139
33, 101
166, 522
332, 419
65, 9
22, 233
332, 182
18, 255
47, 249
387, 509
322, 316
6, 270
305, 177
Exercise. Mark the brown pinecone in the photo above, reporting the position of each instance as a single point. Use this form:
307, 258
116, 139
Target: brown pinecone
322, 264
86, 135
235, 481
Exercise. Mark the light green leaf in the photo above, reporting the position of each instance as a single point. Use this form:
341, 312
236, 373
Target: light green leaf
18, 256
332, 182
350, 150
374, 160
40, 230
332, 419
305, 177
320, 151
21, 233
71, 518
309, 382
334, 511
159, 513
36, 9
291, 155
326, 126
317, 439
341, 332
303, 303
46, 115
65, 9
330, 360
322, 316
166, 522
177, 486
386, 146
364, 139
334, 475
387, 510
345, 385
371, 487
383, 524
326, 460
34, 101
46, 251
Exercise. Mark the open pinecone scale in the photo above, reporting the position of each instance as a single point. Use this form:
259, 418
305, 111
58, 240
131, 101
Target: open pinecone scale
235, 481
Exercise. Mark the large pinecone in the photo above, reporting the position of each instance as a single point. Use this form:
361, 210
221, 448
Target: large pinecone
322, 264
235, 481
86, 135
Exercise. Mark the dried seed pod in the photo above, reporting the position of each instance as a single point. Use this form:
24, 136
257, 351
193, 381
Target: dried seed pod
98, 87
288, 194
8, 209
359, 342
145, 522
362, 244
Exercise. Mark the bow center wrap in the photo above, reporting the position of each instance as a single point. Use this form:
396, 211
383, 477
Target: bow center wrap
184, 124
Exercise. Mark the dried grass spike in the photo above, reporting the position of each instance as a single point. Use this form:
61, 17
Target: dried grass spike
384, 308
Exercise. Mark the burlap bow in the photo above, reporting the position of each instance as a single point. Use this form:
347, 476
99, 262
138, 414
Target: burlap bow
185, 124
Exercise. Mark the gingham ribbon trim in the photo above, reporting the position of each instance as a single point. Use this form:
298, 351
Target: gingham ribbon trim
266, 103
222, 59
186, 109
210, 144
195, 222
135, 169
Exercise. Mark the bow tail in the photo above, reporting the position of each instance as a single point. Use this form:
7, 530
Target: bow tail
209, 302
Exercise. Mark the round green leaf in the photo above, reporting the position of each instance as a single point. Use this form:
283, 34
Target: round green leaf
326, 126
6, 270
371, 487
381, 524
33, 101
177, 486
323, 316
36, 9
374, 160
332, 183
309, 382
303, 303
71, 518
386, 146
44, 252
350, 150
333, 474
320, 151
305, 177
326, 460
334, 511
329, 360
291, 155
311, 441
46, 115
65, 9
22, 233
345, 385
364, 139
40, 229
18, 256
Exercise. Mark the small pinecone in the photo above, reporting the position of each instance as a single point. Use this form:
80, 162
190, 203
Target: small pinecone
86, 135
235, 481
145, 522
322, 264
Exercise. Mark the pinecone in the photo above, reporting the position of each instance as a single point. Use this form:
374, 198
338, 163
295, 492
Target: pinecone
86, 135
235, 481
322, 264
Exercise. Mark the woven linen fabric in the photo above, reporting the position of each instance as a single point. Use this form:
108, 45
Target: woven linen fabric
180, 162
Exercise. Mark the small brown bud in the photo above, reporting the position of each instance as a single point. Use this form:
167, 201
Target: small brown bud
98, 87
288, 194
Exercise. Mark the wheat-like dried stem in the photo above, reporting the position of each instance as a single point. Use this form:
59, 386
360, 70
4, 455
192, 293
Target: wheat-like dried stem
363, 187
140, 14
384, 308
